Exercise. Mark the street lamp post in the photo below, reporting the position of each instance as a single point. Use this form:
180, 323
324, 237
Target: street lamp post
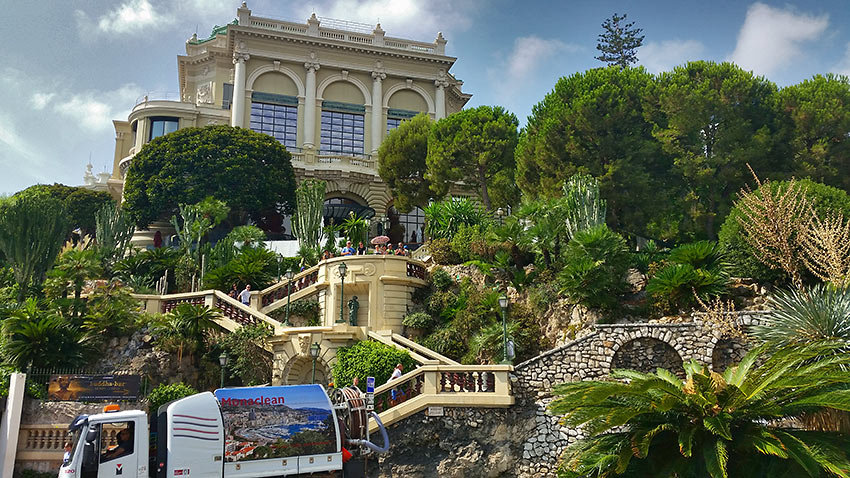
315, 349
222, 360
289, 275
503, 303
342, 269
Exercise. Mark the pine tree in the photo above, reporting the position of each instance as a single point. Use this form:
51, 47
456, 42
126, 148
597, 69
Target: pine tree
619, 42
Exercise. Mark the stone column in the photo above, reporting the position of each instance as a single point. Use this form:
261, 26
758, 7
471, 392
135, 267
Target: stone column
440, 98
312, 66
237, 107
377, 110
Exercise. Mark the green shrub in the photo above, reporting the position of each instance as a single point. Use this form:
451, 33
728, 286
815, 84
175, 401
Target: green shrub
447, 341
418, 320
595, 265
369, 359
707, 255
463, 239
441, 251
446, 304
254, 266
247, 358
441, 279
163, 394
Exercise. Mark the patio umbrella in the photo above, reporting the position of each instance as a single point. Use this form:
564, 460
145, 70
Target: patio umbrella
380, 240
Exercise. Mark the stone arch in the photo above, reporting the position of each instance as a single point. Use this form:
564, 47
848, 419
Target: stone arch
726, 353
299, 370
320, 91
646, 354
357, 192
404, 86
249, 85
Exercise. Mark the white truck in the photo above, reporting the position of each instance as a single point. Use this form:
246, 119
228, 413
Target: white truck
248, 432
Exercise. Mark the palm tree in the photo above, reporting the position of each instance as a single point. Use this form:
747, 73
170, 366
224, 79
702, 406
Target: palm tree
186, 328
76, 266
38, 337
710, 425
819, 313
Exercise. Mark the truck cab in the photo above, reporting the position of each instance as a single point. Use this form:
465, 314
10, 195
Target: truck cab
108, 445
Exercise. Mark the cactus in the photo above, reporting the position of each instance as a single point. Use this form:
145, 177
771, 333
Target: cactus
585, 208
307, 220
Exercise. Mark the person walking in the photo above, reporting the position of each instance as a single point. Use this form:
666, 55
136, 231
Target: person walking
245, 295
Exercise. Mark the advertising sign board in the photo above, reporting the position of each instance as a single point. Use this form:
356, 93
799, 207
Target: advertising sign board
93, 388
274, 422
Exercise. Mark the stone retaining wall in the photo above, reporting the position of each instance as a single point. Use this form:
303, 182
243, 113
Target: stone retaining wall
470, 442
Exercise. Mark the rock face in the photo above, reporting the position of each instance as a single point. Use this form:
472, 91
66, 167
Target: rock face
464, 443
136, 355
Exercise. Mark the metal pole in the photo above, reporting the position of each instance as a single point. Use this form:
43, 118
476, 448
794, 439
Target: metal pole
286, 321
222, 375
505, 334
313, 380
341, 298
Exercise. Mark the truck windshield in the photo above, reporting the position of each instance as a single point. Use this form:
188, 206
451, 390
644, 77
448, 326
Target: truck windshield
75, 437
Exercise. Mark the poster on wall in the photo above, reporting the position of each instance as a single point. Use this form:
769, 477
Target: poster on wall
93, 388
274, 422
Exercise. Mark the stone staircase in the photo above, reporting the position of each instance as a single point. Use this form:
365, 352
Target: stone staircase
384, 284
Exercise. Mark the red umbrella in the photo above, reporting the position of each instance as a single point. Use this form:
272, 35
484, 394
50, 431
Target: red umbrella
380, 240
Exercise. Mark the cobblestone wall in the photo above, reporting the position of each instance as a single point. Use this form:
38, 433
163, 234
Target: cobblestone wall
475, 442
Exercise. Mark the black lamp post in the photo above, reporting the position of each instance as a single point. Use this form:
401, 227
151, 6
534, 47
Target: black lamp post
315, 349
503, 303
342, 270
289, 275
222, 360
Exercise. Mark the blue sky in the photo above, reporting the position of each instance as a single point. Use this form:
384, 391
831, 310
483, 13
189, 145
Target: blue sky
70, 67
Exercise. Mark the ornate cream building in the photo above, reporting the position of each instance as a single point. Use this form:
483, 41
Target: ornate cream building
328, 90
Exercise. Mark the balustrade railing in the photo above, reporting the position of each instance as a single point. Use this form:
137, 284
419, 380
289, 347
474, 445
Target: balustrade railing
278, 291
42, 438
417, 271
445, 385
474, 381
170, 304
399, 393
234, 313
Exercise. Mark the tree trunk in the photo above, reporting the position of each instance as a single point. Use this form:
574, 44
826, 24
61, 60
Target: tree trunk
485, 196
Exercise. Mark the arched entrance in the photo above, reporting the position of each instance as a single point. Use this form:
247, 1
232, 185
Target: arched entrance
337, 209
646, 354
299, 370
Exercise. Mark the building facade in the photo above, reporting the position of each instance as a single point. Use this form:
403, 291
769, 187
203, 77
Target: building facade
330, 91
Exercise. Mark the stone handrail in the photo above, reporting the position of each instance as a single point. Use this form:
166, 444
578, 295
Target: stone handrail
234, 313
486, 386
423, 355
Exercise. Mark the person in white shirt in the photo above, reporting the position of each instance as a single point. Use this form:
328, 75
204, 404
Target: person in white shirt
245, 295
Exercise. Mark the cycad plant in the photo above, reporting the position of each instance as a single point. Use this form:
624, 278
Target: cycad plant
37, 336
186, 328
711, 425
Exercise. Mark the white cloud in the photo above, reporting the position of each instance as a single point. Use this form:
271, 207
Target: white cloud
664, 56
94, 111
529, 52
132, 16
40, 100
771, 38
12, 140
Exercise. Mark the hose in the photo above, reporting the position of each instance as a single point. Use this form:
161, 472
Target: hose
371, 445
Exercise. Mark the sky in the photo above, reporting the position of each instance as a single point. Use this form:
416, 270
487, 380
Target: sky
70, 67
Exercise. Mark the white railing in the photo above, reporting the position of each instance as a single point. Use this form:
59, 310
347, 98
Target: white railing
361, 38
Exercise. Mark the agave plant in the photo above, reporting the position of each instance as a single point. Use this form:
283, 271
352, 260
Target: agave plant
711, 425
820, 313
